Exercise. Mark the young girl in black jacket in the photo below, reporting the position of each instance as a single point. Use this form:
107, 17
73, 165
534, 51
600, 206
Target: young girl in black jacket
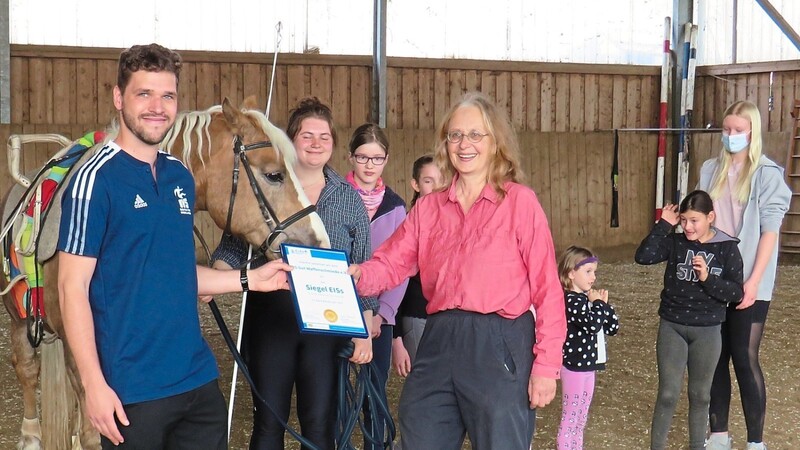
703, 275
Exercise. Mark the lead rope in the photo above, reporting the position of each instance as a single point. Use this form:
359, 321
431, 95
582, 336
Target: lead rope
237, 357
357, 384
350, 397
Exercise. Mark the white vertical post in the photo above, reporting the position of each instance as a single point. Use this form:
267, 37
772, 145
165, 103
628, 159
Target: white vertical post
232, 402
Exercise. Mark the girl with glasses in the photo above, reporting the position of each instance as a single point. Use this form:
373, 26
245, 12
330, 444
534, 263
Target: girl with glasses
369, 152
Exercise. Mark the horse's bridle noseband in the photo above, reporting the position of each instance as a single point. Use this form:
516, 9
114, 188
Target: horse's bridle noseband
276, 227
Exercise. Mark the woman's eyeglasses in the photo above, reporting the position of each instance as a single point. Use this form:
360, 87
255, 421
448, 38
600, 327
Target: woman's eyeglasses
376, 160
455, 137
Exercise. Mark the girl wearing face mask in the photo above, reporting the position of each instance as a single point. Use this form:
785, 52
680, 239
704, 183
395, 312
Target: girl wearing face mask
702, 276
750, 199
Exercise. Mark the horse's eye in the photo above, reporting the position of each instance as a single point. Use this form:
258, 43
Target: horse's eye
274, 177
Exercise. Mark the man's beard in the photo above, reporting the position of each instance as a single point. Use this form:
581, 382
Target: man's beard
139, 131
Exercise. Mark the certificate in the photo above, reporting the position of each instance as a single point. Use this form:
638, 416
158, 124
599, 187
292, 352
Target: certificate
325, 295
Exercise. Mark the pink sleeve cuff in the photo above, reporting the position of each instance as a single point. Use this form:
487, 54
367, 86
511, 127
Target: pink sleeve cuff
546, 371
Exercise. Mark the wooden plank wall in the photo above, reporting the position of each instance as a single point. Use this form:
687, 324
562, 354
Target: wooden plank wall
719, 86
560, 111
570, 172
73, 85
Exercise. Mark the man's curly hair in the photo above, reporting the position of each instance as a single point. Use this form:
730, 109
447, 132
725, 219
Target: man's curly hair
152, 58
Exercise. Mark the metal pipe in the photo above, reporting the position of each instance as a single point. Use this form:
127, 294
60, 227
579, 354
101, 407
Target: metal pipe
379, 64
693, 130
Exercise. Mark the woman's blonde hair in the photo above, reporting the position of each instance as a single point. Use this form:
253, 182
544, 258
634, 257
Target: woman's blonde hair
748, 111
567, 262
505, 163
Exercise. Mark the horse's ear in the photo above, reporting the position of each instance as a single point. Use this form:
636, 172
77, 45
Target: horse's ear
232, 115
250, 103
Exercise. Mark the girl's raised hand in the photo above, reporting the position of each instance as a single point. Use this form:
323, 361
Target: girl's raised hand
670, 214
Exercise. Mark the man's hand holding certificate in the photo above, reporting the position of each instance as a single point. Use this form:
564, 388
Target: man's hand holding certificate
325, 295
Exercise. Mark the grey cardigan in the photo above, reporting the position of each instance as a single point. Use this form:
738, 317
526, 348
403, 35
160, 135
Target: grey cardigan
764, 211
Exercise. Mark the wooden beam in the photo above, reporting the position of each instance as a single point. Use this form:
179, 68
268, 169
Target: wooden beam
746, 68
782, 24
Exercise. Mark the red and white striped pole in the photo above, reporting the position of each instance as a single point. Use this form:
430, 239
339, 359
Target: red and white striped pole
662, 120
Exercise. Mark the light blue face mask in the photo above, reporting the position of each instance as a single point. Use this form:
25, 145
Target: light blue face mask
735, 142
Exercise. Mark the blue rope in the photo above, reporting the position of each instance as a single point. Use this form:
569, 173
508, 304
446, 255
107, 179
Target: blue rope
359, 384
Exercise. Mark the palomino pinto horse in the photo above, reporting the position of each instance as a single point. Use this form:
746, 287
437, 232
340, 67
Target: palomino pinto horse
210, 143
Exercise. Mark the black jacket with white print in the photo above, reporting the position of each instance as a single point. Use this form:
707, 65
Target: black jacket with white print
585, 319
685, 299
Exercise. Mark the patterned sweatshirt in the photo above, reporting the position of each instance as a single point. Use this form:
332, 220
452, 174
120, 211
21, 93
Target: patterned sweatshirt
585, 320
685, 299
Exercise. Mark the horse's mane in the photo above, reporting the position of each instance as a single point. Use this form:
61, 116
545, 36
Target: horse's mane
196, 124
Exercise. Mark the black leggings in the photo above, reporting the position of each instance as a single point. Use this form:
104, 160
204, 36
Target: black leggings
741, 338
279, 358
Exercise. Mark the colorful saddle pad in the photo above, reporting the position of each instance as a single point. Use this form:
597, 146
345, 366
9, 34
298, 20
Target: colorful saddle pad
28, 294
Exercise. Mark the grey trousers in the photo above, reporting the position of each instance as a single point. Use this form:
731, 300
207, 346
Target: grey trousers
682, 347
470, 377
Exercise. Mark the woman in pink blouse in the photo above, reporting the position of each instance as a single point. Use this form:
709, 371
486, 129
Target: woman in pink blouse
485, 256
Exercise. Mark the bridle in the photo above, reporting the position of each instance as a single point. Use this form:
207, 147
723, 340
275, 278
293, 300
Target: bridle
276, 226
364, 381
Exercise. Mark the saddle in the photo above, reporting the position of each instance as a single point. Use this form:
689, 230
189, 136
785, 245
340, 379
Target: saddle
31, 222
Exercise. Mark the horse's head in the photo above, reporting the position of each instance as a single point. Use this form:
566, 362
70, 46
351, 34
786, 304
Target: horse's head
211, 144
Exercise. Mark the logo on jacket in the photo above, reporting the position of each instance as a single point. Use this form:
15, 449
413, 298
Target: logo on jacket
686, 269
139, 202
183, 203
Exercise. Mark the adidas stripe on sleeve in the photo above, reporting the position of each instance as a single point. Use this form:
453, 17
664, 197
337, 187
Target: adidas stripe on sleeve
85, 207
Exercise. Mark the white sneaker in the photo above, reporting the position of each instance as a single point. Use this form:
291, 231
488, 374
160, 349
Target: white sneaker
756, 446
720, 442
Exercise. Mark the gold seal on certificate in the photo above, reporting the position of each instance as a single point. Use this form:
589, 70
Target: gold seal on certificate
330, 315
325, 295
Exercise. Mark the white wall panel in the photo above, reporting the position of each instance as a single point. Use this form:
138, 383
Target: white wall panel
758, 38
587, 31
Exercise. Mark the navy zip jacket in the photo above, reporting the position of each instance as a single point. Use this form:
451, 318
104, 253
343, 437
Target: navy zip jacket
685, 299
